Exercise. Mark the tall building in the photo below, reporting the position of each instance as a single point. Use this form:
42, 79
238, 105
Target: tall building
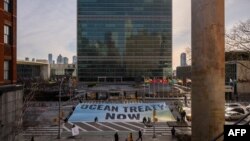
74, 60
125, 39
59, 59
11, 95
65, 60
50, 58
183, 59
7, 42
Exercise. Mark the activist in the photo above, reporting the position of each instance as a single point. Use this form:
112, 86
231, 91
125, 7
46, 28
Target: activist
96, 119
130, 137
173, 131
149, 120
74, 130
32, 138
178, 119
183, 115
116, 137
144, 120
139, 135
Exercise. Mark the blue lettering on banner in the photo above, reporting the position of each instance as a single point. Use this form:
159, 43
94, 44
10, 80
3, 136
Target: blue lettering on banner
120, 112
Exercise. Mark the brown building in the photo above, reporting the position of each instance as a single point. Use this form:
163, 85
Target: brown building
11, 95
7, 42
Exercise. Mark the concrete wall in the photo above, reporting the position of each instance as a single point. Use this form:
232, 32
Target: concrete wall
243, 77
11, 104
28, 69
59, 69
45, 72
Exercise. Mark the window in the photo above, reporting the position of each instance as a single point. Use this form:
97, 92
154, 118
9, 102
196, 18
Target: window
7, 5
6, 34
6, 70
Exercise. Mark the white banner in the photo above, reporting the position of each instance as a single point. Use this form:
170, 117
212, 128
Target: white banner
120, 112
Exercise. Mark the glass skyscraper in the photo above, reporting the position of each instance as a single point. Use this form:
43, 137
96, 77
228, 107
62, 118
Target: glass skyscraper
126, 39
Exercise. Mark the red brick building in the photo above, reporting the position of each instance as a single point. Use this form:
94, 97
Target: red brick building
8, 37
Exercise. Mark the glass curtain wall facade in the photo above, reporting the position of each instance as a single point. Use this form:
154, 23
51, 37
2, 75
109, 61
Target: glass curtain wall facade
125, 39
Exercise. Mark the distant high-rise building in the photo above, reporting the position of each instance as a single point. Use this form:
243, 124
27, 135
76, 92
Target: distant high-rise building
65, 60
74, 60
60, 59
119, 38
183, 59
50, 58
53, 62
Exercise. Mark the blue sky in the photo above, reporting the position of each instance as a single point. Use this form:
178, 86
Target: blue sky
49, 26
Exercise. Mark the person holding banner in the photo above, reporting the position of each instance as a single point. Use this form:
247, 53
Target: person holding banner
74, 130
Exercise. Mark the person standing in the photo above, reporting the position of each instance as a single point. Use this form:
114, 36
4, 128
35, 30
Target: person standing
130, 137
116, 137
173, 131
74, 130
96, 119
144, 120
139, 135
32, 138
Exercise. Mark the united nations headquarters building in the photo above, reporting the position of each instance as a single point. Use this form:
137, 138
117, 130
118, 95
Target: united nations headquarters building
124, 39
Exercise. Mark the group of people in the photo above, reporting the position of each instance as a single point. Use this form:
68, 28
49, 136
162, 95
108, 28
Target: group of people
144, 120
130, 137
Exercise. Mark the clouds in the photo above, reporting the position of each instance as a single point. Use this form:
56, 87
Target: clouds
235, 11
49, 26
181, 28
46, 26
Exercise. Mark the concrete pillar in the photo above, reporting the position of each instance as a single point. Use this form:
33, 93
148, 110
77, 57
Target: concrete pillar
208, 69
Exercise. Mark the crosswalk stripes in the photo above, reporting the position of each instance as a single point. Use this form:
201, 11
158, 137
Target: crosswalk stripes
90, 127
78, 127
133, 125
65, 128
41, 131
106, 126
122, 126
158, 130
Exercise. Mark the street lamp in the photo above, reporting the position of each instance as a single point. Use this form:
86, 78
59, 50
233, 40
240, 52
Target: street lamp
154, 136
154, 118
59, 109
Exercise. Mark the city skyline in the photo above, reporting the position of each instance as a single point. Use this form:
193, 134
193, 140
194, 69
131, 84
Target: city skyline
42, 32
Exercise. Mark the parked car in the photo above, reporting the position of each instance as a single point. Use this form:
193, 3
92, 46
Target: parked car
232, 115
233, 105
248, 108
237, 109
229, 106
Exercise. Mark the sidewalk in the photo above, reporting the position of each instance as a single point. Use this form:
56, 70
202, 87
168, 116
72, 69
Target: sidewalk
100, 138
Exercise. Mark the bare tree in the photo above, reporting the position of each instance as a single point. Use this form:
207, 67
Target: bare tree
238, 38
